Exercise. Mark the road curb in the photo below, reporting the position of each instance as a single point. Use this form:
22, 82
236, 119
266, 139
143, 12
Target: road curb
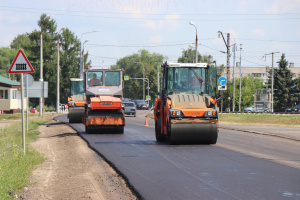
261, 133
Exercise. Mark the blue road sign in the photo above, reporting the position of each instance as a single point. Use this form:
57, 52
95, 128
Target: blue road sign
222, 81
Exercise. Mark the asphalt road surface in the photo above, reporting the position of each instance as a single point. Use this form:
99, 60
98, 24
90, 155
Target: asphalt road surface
240, 166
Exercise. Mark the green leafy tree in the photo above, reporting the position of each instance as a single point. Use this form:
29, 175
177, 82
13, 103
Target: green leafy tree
220, 70
69, 56
7, 56
296, 92
133, 67
248, 86
20, 42
283, 83
188, 56
69, 61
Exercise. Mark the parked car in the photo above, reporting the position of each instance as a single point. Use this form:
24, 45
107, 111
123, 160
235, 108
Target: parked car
141, 104
126, 100
249, 109
295, 109
129, 108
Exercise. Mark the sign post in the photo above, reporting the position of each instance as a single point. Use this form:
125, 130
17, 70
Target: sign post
222, 81
21, 65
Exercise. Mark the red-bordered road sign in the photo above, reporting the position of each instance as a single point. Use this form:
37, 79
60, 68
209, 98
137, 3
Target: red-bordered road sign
21, 64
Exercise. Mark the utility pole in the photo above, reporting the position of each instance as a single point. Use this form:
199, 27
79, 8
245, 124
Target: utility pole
228, 70
233, 91
41, 75
272, 84
228, 65
240, 77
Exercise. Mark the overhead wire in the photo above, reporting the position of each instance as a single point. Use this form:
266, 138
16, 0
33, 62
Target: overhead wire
63, 13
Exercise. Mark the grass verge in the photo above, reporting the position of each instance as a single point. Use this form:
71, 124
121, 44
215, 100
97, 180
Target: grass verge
15, 116
261, 119
257, 119
15, 167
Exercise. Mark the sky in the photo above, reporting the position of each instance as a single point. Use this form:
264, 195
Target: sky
118, 28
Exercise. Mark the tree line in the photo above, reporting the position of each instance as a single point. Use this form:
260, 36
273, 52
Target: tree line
30, 43
286, 89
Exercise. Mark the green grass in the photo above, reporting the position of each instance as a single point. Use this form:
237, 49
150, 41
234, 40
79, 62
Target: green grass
15, 116
15, 167
261, 119
258, 119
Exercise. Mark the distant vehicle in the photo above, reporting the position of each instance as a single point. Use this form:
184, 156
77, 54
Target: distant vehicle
261, 107
129, 108
126, 100
295, 109
249, 109
141, 104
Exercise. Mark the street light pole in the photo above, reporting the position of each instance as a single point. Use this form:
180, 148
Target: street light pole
240, 77
196, 46
233, 95
82, 68
41, 104
143, 83
272, 85
58, 74
143, 79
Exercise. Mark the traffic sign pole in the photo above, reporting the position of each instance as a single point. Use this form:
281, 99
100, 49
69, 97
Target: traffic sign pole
21, 65
22, 104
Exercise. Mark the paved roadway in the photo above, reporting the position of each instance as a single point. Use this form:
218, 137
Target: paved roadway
241, 165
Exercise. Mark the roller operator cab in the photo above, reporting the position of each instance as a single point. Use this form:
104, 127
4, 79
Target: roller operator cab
103, 109
76, 100
186, 111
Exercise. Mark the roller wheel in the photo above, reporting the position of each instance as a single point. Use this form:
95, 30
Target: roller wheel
121, 130
214, 138
87, 130
158, 135
169, 134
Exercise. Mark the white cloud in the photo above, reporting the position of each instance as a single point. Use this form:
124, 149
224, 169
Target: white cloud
156, 39
283, 6
150, 24
170, 22
258, 32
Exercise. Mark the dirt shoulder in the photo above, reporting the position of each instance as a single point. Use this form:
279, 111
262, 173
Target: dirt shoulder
71, 170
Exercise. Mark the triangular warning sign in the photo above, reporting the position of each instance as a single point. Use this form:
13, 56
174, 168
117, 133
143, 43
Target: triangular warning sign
20, 64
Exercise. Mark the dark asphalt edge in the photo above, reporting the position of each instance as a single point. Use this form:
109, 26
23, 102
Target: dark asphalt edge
261, 133
111, 164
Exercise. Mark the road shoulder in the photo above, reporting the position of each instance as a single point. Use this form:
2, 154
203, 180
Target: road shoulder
72, 170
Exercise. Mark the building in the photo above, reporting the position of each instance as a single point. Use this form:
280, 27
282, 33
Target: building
258, 72
10, 96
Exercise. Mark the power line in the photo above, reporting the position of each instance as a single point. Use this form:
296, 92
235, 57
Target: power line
144, 18
145, 13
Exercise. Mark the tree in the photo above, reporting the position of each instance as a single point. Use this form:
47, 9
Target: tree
296, 91
69, 56
69, 61
248, 86
133, 67
220, 70
7, 56
188, 56
283, 84
20, 42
